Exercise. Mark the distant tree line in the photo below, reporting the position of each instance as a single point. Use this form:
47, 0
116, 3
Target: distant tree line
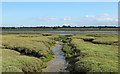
55, 27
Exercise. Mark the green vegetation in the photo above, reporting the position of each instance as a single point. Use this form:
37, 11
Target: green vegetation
26, 52
13, 61
29, 44
92, 52
88, 52
48, 58
44, 66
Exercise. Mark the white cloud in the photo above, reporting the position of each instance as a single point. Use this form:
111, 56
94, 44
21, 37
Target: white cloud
66, 24
52, 18
90, 16
67, 19
104, 18
116, 20
64, 19
47, 18
108, 19
105, 15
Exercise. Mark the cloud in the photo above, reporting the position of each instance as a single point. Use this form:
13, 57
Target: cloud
52, 18
108, 19
42, 19
48, 18
97, 16
67, 19
105, 15
64, 19
90, 16
103, 19
96, 20
116, 20
66, 24
87, 20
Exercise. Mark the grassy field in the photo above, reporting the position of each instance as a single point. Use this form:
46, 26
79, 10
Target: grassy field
26, 52
92, 52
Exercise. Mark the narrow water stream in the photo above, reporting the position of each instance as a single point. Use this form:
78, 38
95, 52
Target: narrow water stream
58, 63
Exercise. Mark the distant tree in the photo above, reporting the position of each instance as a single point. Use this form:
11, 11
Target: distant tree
84, 26
69, 26
64, 26
105, 26
58, 26
91, 26
54, 27
12, 27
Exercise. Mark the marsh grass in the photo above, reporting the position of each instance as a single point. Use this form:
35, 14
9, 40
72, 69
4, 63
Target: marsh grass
12, 61
26, 52
44, 66
88, 56
36, 45
48, 58
88, 52
96, 57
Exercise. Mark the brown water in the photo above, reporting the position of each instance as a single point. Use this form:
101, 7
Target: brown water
58, 63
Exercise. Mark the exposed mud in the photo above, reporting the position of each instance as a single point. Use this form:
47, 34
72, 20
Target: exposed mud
92, 41
58, 63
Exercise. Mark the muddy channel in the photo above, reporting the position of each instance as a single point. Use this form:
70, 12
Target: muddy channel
58, 63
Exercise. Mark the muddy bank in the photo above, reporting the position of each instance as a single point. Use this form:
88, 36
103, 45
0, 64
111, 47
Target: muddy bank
58, 63
97, 42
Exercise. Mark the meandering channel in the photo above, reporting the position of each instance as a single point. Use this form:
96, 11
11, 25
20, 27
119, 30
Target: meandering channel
58, 63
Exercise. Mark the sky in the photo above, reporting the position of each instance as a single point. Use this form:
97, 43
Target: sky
33, 14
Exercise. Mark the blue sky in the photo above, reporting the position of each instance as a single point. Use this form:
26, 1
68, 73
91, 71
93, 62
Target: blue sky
32, 14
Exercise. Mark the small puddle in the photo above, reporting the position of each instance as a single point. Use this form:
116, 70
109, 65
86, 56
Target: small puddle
57, 64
